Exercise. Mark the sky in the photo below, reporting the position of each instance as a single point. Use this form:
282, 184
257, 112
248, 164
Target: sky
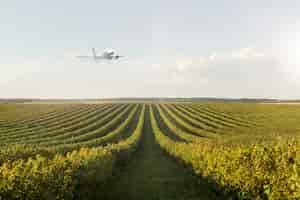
216, 48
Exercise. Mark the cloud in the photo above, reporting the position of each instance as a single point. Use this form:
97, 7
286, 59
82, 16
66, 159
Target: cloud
244, 54
212, 57
245, 72
247, 53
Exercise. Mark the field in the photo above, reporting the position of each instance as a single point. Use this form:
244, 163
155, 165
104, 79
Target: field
149, 151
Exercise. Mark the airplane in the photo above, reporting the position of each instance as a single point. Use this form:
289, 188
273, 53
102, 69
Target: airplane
106, 55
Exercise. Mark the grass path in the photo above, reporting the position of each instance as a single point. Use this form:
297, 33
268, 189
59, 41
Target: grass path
153, 175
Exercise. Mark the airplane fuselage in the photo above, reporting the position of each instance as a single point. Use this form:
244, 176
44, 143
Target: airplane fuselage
107, 55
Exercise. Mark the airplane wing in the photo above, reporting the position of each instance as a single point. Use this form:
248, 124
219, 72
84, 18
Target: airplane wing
84, 56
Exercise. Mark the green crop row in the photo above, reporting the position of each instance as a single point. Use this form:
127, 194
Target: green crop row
68, 130
51, 126
206, 118
232, 114
256, 172
200, 123
15, 113
201, 131
39, 119
175, 129
221, 116
63, 176
22, 151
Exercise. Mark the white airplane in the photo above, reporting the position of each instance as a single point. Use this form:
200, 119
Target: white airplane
106, 55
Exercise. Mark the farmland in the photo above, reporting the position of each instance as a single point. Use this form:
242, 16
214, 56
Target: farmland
149, 151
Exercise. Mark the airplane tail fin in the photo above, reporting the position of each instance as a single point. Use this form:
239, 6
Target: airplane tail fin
94, 52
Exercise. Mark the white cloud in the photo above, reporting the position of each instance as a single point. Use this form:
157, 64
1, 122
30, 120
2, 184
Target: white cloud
247, 53
212, 57
245, 72
184, 63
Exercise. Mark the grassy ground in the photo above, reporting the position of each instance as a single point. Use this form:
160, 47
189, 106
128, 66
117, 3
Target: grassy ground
152, 174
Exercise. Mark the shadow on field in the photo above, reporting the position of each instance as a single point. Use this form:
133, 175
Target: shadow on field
151, 174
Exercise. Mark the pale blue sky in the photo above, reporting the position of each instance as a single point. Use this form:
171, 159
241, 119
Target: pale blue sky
217, 48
